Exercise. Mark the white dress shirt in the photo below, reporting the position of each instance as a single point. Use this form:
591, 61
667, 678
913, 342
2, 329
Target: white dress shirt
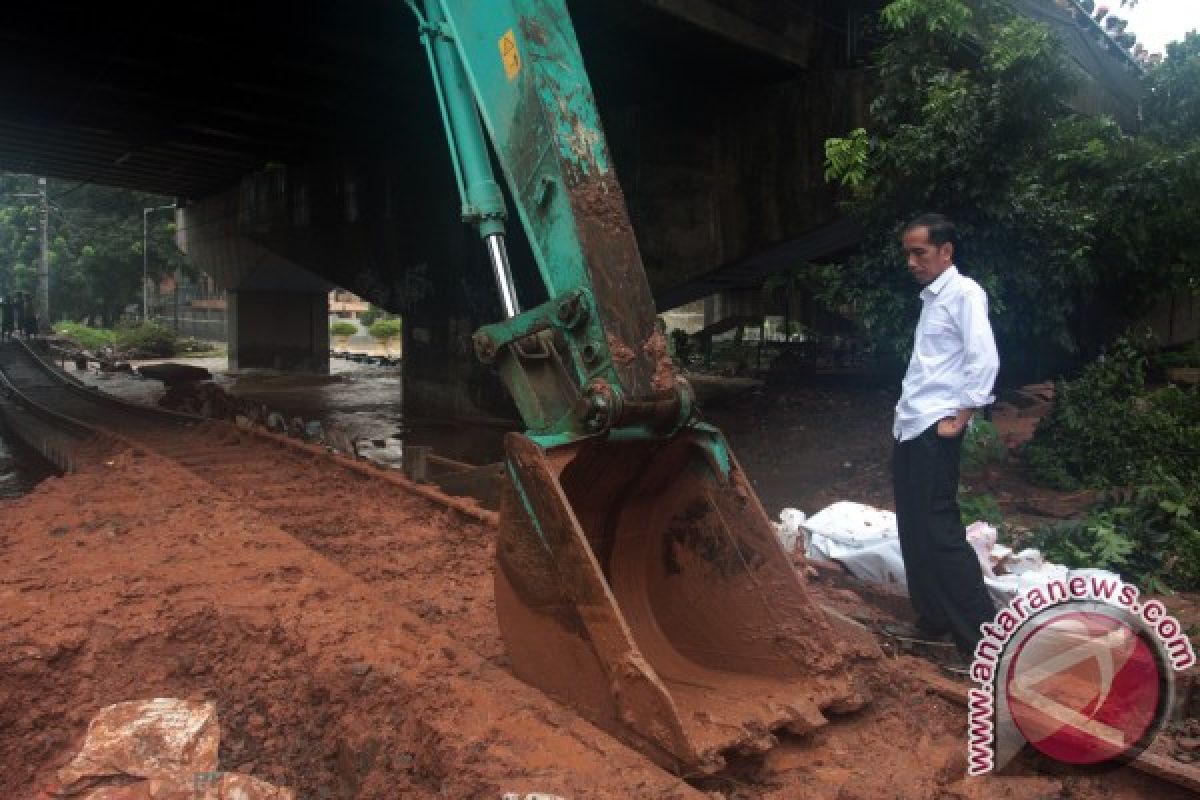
954, 360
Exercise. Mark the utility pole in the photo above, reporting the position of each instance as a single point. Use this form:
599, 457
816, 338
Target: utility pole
41, 295
43, 282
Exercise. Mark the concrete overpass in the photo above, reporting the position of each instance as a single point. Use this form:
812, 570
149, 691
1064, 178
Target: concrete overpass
304, 142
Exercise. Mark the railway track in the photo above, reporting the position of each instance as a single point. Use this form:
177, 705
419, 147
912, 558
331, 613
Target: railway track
426, 552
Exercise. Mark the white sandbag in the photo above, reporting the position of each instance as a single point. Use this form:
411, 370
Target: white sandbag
791, 531
1028, 560
860, 537
853, 524
982, 538
879, 563
865, 541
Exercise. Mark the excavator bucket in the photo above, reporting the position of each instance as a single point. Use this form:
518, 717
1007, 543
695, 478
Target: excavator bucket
639, 579
641, 583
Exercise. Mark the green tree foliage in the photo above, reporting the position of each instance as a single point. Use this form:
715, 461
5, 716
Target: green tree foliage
372, 313
95, 237
1172, 104
1150, 209
1055, 208
343, 328
1149, 534
386, 331
1107, 429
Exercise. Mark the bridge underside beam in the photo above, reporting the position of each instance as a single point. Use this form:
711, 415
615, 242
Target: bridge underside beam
741, 29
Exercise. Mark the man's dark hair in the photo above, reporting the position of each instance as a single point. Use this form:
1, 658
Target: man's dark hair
941, 229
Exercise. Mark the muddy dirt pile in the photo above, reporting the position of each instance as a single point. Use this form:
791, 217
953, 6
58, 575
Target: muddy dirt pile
135, 579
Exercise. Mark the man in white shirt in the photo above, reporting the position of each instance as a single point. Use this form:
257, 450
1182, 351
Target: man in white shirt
950, 377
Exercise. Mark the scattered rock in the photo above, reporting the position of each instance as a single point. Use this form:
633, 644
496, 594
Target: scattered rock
148, 739
156, 750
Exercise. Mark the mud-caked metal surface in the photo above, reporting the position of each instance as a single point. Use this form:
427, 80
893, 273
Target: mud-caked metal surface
643, 584
638, 578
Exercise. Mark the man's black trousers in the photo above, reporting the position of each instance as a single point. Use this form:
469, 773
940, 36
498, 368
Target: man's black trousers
945, 582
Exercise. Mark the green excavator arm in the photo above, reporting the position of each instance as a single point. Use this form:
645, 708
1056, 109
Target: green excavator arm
638, 578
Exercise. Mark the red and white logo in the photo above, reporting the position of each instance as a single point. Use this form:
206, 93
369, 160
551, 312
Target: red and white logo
1085, 687
1080, 669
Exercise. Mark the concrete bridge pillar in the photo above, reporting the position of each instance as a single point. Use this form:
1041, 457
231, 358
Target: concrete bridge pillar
278, 330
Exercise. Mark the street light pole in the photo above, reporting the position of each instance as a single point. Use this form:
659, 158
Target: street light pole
41, 294
146, 212
43, 284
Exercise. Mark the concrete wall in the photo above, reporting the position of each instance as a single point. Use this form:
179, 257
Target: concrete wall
279, 330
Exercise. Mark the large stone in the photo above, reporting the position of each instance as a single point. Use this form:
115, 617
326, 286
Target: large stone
170, 744
157, 739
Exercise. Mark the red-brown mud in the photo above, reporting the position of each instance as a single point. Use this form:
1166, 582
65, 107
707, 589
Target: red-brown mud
655, 350
138, 579
346, 631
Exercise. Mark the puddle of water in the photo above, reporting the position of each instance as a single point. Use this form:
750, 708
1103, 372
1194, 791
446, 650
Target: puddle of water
362, 400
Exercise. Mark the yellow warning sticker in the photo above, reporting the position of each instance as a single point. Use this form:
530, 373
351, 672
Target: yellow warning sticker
510, 55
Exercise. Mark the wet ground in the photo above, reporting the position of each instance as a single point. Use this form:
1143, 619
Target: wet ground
363, 400
363, 660
802, 447
357, 654
20, 469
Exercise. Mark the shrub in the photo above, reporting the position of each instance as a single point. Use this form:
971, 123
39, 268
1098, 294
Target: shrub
343, 328
1105, 429
982, 446
84, 337
978, 506
1148, 534
148, 339
1185, 357
385, 330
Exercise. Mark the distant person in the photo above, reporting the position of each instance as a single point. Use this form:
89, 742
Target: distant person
18, 308
950, 376
29, 320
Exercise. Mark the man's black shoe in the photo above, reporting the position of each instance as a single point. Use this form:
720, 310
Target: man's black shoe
906, 630
957, 666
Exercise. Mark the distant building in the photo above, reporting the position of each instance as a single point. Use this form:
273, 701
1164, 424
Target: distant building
346, 305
